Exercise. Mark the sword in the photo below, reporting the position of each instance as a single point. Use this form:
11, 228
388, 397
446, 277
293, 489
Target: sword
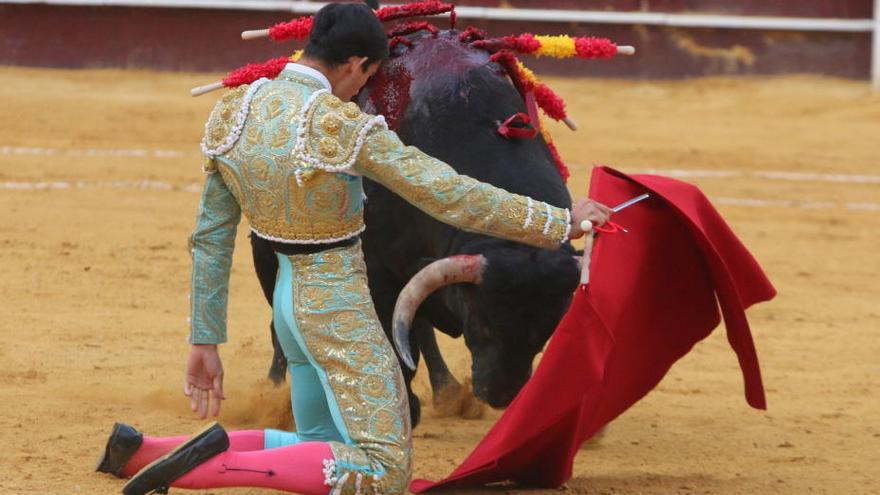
586, 225
628, 203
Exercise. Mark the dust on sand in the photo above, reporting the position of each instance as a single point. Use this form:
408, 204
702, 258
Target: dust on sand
95, 281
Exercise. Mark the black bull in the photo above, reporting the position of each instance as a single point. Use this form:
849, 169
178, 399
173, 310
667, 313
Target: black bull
446, 98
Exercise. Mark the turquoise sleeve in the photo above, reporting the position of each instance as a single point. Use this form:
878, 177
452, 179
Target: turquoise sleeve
211, 245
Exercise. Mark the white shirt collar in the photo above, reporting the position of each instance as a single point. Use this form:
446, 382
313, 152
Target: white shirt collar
308, 71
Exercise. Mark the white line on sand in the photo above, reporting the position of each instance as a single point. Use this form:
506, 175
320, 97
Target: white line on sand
154, 185
690, 173
139, 185
784, 203
92, 152
669, 172
764, 174
815, 177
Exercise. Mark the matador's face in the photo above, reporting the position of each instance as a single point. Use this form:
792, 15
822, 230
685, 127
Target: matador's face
352, 76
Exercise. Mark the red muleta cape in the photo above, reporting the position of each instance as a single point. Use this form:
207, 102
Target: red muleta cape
651, 297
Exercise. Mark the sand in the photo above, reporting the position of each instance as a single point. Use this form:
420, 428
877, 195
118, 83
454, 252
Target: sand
99, 180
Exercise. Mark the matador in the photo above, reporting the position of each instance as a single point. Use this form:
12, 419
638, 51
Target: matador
290, 155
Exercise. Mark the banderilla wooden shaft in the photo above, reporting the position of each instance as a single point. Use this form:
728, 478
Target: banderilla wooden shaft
254, 34
200, 90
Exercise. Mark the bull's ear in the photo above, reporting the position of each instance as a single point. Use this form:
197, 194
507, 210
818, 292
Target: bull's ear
374, 4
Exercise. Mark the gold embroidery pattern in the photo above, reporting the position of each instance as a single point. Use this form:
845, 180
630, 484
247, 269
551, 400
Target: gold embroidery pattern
437, 189
211, 245
323, 205
351, 111
333, 133
331, 124
328, 147
230, 178
261, 173
222, 118
333, 103
300, 79
335, 315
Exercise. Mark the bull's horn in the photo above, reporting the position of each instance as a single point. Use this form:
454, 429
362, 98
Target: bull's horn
447, 271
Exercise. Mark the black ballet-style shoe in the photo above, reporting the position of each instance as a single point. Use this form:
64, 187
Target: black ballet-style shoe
123, 443
158, 475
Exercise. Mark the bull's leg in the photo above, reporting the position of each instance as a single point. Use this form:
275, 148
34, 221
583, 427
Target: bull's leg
443, 382
266, 265
278, 368
415, 405
450, 397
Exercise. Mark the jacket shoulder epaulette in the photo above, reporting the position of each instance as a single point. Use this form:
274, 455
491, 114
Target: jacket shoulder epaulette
227, 120
332, 133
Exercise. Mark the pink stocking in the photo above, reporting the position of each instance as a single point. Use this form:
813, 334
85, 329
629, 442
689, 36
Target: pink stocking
155, 447
295, 468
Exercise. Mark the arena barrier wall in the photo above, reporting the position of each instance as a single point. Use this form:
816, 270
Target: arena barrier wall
674, 38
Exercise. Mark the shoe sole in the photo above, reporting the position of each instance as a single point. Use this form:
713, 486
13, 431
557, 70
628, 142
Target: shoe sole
103, 459
197, 436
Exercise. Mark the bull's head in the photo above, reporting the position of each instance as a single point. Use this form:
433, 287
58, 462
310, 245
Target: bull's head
504, 298
512, 297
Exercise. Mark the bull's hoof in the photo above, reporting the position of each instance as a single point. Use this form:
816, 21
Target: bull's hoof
457, 400
278, 371
415, 409
277, 377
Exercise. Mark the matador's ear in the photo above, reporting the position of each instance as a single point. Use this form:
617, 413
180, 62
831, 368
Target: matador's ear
374, 4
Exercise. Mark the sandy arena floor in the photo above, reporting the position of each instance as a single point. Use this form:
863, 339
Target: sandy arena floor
99, 173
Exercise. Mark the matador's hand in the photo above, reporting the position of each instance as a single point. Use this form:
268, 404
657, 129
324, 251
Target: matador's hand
204, 378
587, 209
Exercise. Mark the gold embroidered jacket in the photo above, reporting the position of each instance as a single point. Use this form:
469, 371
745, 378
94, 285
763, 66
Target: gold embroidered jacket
290, 156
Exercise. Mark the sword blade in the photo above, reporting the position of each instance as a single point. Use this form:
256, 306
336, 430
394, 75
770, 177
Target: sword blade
628, 203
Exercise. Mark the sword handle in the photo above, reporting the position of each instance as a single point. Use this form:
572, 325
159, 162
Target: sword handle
587, 227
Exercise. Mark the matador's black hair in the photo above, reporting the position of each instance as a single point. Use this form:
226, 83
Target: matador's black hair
344, 30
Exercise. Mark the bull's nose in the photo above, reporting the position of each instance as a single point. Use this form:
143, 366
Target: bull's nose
485, 394
498, 399
501, 401
481, 391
